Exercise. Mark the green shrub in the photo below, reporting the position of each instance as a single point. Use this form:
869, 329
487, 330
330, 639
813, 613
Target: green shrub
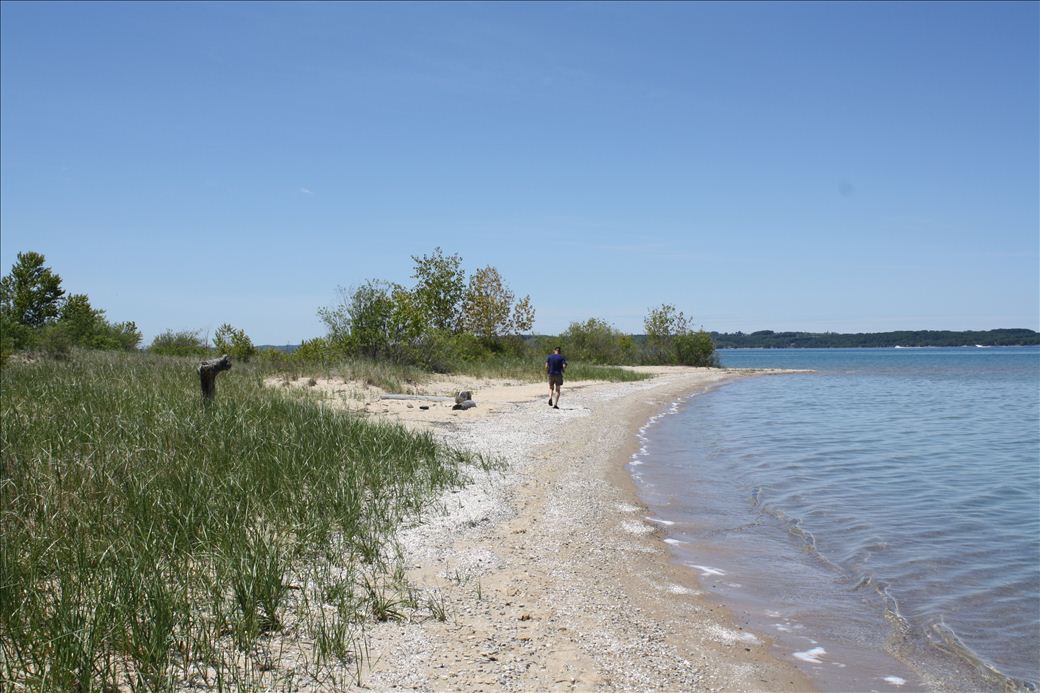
378, 319
598, 342
183, 343
695, 349
55, 341
669, 340
234, 342
273, 358
317, 351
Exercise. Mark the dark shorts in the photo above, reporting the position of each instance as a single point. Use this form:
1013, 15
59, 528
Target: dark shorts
555, 379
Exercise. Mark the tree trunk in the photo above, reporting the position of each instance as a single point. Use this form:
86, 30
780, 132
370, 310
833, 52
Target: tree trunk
208, 375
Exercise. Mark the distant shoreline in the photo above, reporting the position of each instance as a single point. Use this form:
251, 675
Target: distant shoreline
897, 346
768, 339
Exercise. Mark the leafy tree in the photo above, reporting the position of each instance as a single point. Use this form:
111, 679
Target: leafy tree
440, 322
523, 316
80, 319
234, 342
183, 343
664, 322
378, 319
86, 326
670, 340
439, 290
487, 308
31, 292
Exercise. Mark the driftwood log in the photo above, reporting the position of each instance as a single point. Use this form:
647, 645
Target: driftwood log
208, 374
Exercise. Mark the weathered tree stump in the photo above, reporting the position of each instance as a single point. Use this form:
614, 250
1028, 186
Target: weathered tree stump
208, 374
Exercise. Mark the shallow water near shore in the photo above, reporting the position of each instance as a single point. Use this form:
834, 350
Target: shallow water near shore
878, 520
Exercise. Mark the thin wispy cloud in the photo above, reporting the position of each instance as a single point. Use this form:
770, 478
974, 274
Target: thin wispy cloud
306, 191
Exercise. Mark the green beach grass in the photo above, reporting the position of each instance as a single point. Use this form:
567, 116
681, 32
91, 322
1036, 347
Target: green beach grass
393, 377
150, 540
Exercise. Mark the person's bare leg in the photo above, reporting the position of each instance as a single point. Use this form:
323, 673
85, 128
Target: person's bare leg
557, 405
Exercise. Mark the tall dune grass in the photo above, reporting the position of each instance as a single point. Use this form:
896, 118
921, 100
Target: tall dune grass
151, 541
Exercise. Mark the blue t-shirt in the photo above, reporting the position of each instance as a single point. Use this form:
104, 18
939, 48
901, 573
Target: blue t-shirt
556, 363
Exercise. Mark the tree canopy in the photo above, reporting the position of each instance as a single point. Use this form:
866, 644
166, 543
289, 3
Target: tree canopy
35, 313
32, 291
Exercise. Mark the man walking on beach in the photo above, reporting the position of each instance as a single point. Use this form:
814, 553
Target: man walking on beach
555, 364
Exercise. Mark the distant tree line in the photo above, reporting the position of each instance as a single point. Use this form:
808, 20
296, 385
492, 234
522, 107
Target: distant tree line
444, 318
37, 315
767, 339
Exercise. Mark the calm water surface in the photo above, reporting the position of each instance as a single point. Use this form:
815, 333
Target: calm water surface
878, 520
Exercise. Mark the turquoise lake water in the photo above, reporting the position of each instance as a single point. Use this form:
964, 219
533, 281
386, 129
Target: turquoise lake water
878, 520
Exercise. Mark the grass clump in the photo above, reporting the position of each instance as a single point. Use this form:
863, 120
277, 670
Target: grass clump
151, 542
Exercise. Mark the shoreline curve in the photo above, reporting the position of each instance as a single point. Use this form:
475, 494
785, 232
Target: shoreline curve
547, 574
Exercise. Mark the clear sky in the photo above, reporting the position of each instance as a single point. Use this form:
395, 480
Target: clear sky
818, 166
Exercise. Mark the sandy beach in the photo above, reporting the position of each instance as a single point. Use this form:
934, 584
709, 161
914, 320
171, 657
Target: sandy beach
550, 573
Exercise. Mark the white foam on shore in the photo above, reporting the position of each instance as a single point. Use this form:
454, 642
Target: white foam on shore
636, 527
727, 635
707, 570
812, 656
894, 680
658, 521
679, 589
675, 542
782, 628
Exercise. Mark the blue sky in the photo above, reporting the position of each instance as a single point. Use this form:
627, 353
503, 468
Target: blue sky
817, 166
